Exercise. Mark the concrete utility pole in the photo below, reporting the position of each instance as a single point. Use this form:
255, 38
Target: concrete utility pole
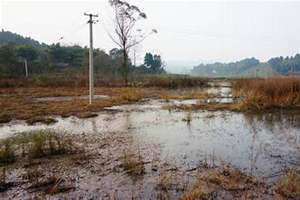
91, 67
26, 68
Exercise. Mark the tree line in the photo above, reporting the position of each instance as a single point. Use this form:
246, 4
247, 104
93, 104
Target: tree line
42, 58
279, 65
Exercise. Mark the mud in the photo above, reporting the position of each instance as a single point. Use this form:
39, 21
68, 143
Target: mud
172, 151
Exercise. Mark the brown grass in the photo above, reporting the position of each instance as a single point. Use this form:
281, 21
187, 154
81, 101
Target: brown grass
20, 103
289, 185
133, 164
227, 179
209, 107
184, 96
81, 80
44, 120
263, 94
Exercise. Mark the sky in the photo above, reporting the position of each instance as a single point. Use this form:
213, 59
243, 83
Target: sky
189, 32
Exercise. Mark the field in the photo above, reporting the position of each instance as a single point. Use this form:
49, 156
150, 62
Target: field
158, 137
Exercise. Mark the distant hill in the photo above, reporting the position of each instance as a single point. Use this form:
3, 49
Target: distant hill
9, 37
261, 70
250, 67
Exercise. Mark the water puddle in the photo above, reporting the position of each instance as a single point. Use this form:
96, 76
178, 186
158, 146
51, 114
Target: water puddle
262, 145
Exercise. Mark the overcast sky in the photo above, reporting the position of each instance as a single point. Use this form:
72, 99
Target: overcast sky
188, 31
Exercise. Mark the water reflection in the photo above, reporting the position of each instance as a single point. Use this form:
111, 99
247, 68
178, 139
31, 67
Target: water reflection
259, 144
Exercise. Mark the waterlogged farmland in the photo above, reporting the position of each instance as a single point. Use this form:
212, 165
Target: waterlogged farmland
155, 149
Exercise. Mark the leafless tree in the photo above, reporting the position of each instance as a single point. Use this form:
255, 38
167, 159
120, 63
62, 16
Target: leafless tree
125, 33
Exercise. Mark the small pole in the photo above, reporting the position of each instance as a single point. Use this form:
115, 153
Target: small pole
134, 57
91, 67
26, 68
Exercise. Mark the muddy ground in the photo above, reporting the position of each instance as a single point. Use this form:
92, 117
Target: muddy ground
145, 150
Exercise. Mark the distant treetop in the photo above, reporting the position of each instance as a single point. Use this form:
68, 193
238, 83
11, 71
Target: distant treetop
7, 37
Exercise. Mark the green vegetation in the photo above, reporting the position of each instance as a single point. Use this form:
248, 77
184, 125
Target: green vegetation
7, 154
43, 59
250, 67
34, 145
223, 69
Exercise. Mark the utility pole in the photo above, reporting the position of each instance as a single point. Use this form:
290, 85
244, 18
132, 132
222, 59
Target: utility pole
26, 68
91, 67
134, 57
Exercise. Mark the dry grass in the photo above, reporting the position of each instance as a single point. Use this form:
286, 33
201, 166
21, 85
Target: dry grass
44, 120
81, 80
7, 154
289, 185
188, 118
227, 179
165, 181
263, 94
170, 81
133, 164
20, 103
130, 94
184, 96
209, 107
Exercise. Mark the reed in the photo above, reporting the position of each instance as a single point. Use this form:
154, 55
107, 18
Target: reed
263, 94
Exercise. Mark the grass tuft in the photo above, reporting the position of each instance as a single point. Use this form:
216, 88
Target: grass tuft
36, 144
133, 165
7, 154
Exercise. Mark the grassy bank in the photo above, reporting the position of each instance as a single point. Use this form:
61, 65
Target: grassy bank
266, 94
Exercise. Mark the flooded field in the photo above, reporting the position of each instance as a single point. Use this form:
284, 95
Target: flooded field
263, 145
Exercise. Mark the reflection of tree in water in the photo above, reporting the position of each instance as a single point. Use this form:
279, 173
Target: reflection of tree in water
127, 121
275, 120
254, 152
282, 125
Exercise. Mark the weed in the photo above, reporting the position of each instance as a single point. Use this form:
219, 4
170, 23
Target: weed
226, 179
134, 165
5, 118
7, 154
188, 118
130, 95
164, 181
35, 145
44, 120
289, 185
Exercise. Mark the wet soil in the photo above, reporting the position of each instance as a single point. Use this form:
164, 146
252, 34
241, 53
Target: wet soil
231, 155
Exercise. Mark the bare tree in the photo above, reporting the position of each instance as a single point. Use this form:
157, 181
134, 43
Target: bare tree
126, 34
